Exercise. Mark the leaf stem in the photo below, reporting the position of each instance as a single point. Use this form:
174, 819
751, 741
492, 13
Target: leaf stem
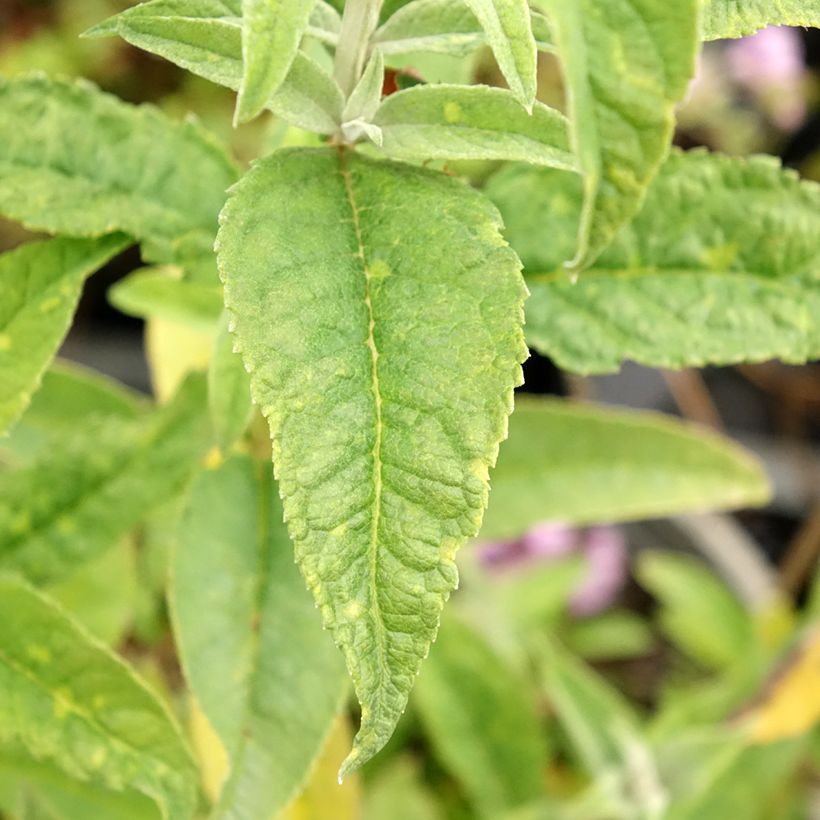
359, 21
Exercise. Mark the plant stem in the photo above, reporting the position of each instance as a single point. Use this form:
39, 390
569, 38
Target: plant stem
359, 21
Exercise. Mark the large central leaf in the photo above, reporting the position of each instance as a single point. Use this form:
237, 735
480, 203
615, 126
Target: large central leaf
379, 311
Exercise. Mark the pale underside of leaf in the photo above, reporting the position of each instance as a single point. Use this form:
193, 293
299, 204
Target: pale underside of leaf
583, 465
472, 122
344, 300
205, 38
739, 18
40, 285
724, 246
69, 701
271, 33
626, 64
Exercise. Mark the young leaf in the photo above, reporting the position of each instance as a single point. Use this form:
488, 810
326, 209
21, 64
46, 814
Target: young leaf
443, 27
161, 292
725, 245
581, 464
626, 64
271, 33
205, 37
68, 701
729, 18
253, 650
482, 721
40, 285
476, 122
81, 496
381, 442
229, 390
364, 101
79, 162
509, 34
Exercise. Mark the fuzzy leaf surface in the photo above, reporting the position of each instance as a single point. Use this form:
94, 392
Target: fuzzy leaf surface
472, 122
724, 245
78, 498
80, 162
265, 674
344, 300
69, 701
626, 64
739, 18
205, 38
40, 285
581, 464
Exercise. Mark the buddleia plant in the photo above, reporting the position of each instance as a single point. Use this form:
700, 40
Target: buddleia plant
370, 304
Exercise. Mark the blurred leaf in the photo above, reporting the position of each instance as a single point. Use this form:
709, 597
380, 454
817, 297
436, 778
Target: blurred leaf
80, 497
209, 751
581, 464
173, 351
728, 18
73, 704
698, 612
398, 792
613, 635
40, 285
481, 719
251, 644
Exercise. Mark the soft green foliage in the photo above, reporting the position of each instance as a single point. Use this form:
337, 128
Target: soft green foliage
464, 699
460, 122
509, 34
267, 677
737, 18
271, 33
624, 465
40, 285
626, 63
364, 102
382, 445
68, 701
229, 390
82, 163
723, 244
84, 493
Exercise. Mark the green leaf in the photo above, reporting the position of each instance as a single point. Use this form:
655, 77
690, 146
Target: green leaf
730, 18
482, 721
271, 33
381, 442
443, 27
82, 495
40, 285
724, 245
509, 34
80, 162
476, 122
364, 102
229, 390
581, 464
267, 677
70, 702
161, 293
698, 613
205, 37
626, 64
613, 635
400, 793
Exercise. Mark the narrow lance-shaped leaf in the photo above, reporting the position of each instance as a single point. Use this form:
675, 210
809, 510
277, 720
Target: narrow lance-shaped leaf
581, 464
80, 162
205, 37
626, 64
78, 498
482, 720
40, 285
345, 300
725, 245
252, 646
509, 34
271, 33
364, 101
730, 18
475, 122
68, 701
